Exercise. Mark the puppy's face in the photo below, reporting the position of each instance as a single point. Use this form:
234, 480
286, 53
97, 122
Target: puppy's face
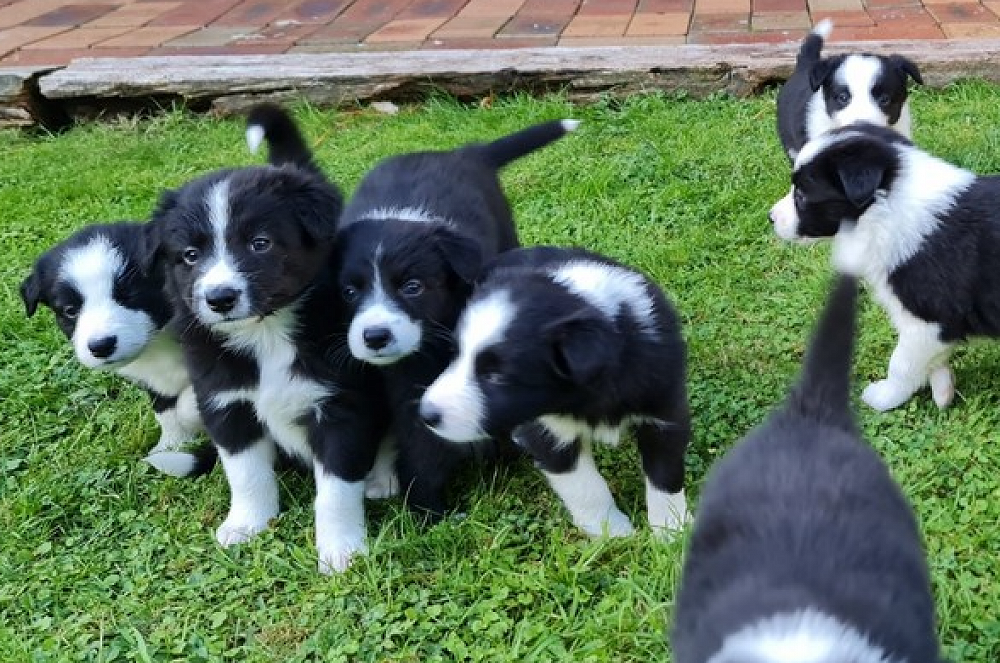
864, 88
101, 300
837, 177
244, 243
524, 351
405, 283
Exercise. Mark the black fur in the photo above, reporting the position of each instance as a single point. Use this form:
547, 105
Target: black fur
802, 514
425, 269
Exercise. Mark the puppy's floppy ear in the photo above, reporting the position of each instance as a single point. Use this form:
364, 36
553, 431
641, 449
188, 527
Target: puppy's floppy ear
463, 254
317, 203
151, 243
31, 290
907, 67
860, 180
582, 345
821, 71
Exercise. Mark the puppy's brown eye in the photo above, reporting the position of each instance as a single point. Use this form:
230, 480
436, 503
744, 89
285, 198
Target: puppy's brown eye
70, 311
883, 100
260, 244
842, 98
191, 255
350, 294
412, 288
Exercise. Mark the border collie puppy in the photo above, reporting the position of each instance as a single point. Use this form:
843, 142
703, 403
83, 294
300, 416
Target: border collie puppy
564, 348
923, 233
114, 316
246, 253
826, 93
804, 550
414, 238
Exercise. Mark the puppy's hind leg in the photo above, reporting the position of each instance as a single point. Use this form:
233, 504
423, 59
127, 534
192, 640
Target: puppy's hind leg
568, 464
178, 418
662, 445
382, 482
918, 352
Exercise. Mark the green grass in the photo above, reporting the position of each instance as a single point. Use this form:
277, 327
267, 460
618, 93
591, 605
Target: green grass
101, 559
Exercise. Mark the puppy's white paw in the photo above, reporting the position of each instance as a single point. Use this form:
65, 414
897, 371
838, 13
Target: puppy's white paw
668, 512
615, 525
239, 528
885, 395
942, 386
336, 558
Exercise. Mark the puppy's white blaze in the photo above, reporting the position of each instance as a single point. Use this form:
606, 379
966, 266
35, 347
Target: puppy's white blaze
255, 136
586, 495
380, 310
455, 393
665, 511
823, 28
897, 224
221, 271
859, 73
608, 288
340, 520
804, 636
92, 270
569, 126
253, 489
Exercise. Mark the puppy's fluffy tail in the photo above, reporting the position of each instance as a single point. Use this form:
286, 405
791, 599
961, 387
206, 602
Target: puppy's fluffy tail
823, 391
812, 45
501, 152
185, 464
272, 123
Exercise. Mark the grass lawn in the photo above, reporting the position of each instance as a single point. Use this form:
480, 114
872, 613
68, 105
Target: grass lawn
101, 559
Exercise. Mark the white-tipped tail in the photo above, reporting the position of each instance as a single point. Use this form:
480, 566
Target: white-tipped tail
174, 463
255, 136
569, 125
823, 28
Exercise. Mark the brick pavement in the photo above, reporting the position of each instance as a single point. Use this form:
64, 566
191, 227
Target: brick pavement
41, 32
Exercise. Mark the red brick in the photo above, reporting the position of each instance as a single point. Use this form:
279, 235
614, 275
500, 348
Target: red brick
607, 7
210, 37
491, 9
844, 19
760, 6
961, 12
23, 11
311, 12
428, 9
14, 38
720, 23
490, 44
886, 4
61, 56
665, 24
372, 11
610, 25
553, 7
195, 13
897, 30
412, 29
276, 34
149, 37
71, 15
662, 6
470, 27
134, 15
971, 30
250, 12
823, 7
229, 49
768, 21
777, 37
631, 42
722, 6
76, 38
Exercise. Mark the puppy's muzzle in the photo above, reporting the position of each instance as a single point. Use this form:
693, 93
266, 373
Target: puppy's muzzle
377, 338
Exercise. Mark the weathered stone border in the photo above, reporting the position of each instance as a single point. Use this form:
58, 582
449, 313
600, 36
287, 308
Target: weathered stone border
226, 84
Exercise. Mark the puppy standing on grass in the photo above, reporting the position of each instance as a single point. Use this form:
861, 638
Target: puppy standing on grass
566, 348
804, 550
246, 253
414, 238
823, 94
923, 233
115, 318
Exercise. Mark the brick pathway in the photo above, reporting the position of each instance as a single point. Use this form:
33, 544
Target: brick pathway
40, 32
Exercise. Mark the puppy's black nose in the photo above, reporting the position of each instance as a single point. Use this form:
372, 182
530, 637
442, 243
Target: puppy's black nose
222, 299
103, 347
377, 338
430, 415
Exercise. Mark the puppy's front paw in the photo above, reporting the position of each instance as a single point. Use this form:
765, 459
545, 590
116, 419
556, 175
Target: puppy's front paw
942, 386
615, 524
885, 395
336, 558
239, 528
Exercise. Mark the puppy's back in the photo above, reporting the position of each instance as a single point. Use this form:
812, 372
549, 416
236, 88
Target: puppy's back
802, 530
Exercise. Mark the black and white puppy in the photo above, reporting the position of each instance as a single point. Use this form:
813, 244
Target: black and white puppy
804, 550
246, 253
823, 94
114, 315
923, 233
566, 348
413, 239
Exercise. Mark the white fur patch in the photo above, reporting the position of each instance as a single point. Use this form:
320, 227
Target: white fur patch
860, 73
220, 269
340, 521
667, 512
608, 288
569, 429
586, 495
255, 137
455, 394
92, 270
414, 214
804, 636
253, 489
160, 366
380, 311
179, 424
382, 481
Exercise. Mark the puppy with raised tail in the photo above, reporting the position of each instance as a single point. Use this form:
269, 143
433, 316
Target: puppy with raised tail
414, 237
246, 253
804, 550
824, 93
115, 316
566, 348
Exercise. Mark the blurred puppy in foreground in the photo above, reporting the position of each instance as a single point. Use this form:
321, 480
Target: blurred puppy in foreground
804, 549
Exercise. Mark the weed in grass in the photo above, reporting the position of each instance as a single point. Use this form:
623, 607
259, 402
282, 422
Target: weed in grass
104, 560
